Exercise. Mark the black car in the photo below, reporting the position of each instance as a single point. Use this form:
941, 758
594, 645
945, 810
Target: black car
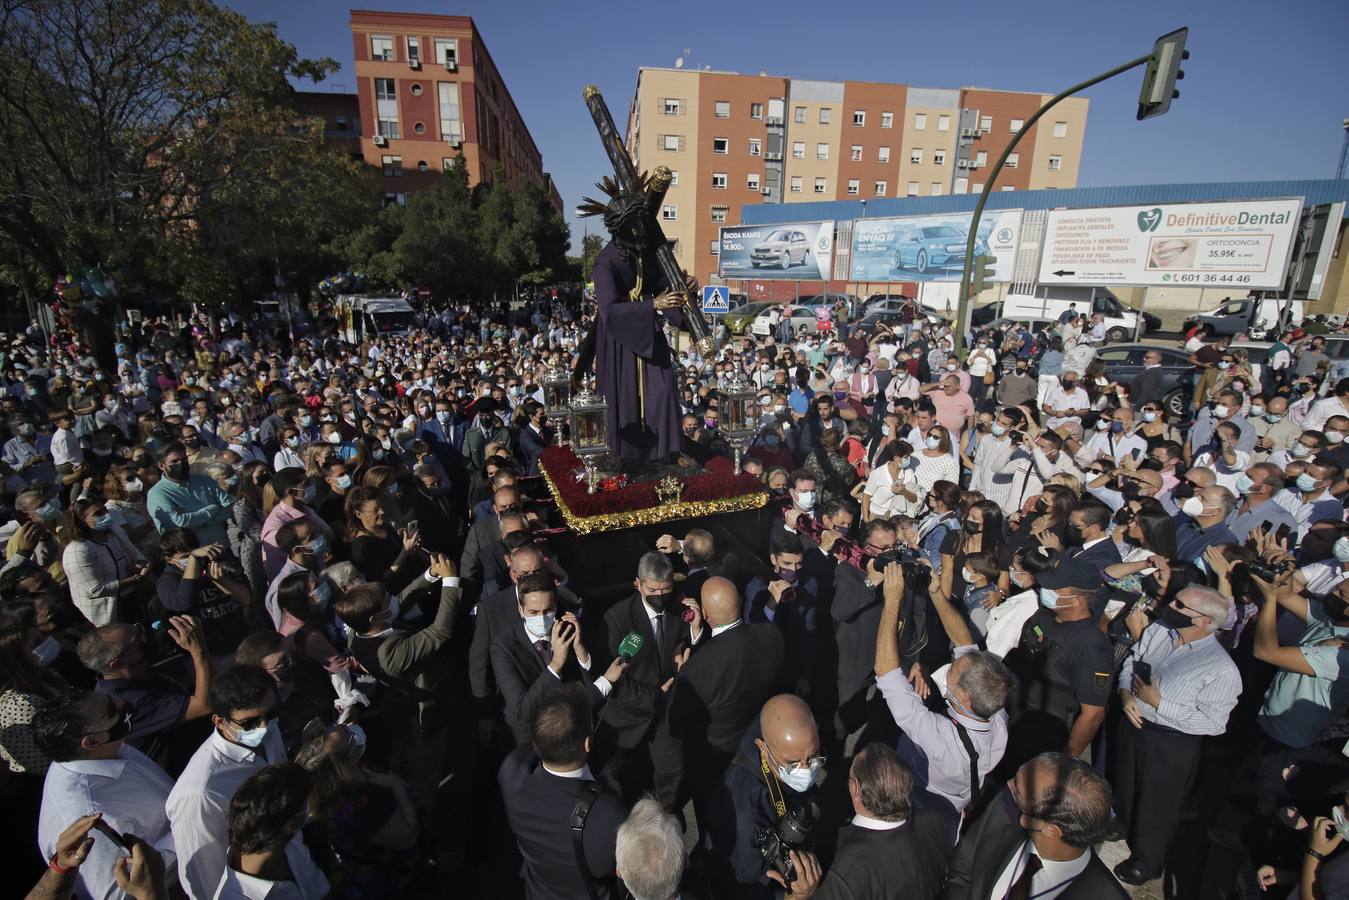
1123, 362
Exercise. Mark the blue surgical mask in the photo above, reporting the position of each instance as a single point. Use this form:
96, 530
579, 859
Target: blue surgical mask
998, 429
1272, 417
799, 780
50, 510
1244, 483
252, 737
103, 522
1300, 450
1149, 417
319, 545
322, 594
1049, 598
1306, 482
932, 443
344, 481
539, 627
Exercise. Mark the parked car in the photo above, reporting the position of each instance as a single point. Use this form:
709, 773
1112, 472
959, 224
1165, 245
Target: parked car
881, 303
1123, 362
784, 248
740, 318
934, 247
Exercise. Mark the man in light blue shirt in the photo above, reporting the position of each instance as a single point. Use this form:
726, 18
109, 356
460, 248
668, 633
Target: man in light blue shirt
183, 500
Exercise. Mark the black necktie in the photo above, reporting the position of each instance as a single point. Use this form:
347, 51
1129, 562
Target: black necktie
545, 651
658, 626
1020, 889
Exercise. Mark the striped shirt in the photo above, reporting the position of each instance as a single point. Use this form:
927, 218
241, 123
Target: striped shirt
1199, 682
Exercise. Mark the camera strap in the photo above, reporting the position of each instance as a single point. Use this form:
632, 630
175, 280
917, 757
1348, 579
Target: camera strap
579, 813
770, 779
974, 766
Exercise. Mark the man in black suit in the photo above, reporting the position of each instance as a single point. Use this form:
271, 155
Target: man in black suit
1147, 384
484, 560
535, 435
647, 755
891, 851
720, 691
1038, 833
541, 783
440, 524
698, 552
1090, 524
540, 652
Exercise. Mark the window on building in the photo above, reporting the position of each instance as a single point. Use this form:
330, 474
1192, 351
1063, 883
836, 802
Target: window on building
415, 88
719, 214
721, 145
719, 180
825, 114
800, 115
755, 147
341, 123
1006, 187
1016, 125
752, 181
715, 248
916, 156
671, 106
414, 49
674, 178
722, 109
880, 188
669, 142
935, 189
395, 199
1012, 160
798, 149
669, 212
854, 187
913, 189
981, 159
386, 107
821, 185
1060, 129
883, 154
756, 110
977, 188
447, 52
821, 151
943, 123
985, 124
859, 117
939, 157
887, 120
920, 121
856, 153
796, 184
392, 165
381, 47
451, 128
1055, 163
446, 162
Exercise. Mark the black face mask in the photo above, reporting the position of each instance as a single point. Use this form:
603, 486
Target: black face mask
177, 471
661, 602
1318, 545
1183, 490
1123, 516
1041, 507
1174, 618
972, 527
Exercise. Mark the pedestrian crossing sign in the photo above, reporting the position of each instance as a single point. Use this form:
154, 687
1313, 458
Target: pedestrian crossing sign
716, 298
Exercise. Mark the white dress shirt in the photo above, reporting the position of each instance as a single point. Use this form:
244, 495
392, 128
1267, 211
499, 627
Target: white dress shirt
309, 883
66, 448
871, 824
602, 684
1046, 884
130, 792
198, 806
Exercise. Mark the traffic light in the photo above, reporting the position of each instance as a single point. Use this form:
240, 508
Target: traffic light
981, 278
1163, 71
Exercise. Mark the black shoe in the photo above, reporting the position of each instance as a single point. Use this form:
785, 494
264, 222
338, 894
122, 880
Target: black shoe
1129, 873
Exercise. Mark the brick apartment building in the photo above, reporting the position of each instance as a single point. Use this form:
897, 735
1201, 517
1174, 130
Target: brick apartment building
735, 139
428, 93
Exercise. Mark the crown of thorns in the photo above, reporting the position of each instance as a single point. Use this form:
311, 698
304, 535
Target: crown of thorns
620, 210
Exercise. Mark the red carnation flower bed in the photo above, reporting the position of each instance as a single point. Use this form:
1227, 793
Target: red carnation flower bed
616, 495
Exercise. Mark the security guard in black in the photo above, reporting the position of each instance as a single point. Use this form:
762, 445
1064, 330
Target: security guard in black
1064, 662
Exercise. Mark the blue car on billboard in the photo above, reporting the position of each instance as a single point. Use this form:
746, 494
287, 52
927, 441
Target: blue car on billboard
928, 247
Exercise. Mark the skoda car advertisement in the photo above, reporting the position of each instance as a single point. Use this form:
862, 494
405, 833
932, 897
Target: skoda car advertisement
931, 248
800, 251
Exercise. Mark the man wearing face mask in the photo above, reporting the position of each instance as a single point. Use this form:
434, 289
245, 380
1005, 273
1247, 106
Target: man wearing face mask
787, 599
546, 650
648, 755
1067, 402
1147, 384
183, 500
1017, 388
773, 774
1275, 431
1227, 408
93, 768
245, 740
1309, 498
1208, 510
1258, 486
1323, 409
1191, 688
1063, 664
29, 453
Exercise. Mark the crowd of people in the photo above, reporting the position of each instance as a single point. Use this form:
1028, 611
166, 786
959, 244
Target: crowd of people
279, 617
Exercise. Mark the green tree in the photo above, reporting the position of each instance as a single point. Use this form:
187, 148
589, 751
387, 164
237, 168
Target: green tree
591, 245
435, 247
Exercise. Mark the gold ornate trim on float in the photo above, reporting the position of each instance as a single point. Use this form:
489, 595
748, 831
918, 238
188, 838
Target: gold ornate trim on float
651, 515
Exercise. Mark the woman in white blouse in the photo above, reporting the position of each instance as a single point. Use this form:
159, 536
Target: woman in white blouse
935, 462
101, 568
892, 487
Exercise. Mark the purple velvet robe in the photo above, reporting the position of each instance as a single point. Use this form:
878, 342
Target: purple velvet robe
629, 335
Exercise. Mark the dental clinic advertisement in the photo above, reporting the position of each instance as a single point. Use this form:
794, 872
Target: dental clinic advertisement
1237, 243
932, 248
800, 251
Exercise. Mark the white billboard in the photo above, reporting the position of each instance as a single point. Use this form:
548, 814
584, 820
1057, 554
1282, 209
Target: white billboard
932, 248
1239, 243
801, 251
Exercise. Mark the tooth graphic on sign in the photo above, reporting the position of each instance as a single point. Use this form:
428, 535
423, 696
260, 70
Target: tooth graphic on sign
1149, 219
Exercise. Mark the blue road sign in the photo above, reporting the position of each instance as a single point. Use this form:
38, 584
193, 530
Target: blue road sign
716, 299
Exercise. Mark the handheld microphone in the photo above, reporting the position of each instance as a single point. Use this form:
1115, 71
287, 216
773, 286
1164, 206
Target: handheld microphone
631, 643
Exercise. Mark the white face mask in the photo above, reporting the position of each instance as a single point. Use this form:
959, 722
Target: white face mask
1334, 437
539, 627
1193, 507
806, 500
1220, 411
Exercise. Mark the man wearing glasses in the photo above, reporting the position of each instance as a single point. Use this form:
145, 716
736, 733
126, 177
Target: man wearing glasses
246, 739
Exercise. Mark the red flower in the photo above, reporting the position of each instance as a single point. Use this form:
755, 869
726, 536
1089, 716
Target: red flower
617, 495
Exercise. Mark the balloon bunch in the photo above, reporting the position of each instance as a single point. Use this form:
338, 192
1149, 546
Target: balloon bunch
343, 283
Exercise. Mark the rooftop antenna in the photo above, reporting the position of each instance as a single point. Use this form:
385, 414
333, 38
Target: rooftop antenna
1344, 152
679, 63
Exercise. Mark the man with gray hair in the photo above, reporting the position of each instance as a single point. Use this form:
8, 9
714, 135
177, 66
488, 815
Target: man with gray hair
648, 628
650, 853
1177, 687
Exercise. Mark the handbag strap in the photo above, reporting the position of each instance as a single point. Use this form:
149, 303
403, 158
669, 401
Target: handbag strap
579, 813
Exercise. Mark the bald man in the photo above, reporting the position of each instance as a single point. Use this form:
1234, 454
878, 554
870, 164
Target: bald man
772, 776
723, 686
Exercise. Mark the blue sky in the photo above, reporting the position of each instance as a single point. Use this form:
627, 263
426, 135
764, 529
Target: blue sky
1265, 91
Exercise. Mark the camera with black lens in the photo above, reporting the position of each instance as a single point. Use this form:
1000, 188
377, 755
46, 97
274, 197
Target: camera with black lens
1268, 571
793, 833
917, 574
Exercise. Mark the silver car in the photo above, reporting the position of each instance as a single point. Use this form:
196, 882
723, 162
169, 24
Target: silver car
783, 248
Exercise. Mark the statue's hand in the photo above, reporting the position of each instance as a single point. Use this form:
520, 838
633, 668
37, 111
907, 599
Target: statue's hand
668, 300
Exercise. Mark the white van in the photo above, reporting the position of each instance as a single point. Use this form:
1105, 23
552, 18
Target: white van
360, 317
1052, 301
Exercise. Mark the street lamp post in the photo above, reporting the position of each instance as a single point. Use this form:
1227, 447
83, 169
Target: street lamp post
1158, 88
